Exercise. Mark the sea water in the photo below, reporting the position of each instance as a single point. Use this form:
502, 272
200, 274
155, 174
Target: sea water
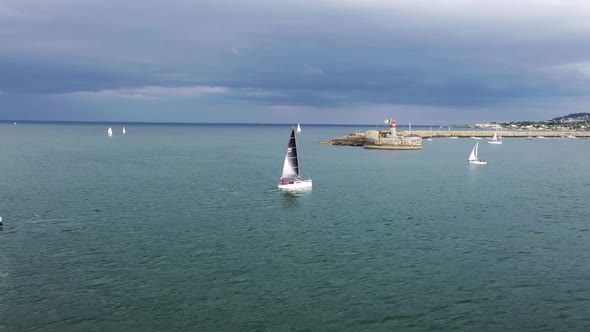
181, 227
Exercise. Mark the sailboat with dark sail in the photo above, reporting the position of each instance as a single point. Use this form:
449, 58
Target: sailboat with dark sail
291, 177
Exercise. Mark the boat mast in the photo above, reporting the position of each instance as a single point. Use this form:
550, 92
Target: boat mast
297, 150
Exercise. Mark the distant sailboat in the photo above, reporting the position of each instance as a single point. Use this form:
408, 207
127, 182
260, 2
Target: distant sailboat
473, 156
124, 131
298, 128
291, 177
110, 132
429, 139
495, 139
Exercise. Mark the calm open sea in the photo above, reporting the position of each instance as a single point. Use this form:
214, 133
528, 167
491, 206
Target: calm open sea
182, 228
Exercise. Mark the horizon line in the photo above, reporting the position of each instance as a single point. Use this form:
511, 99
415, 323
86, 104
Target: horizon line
216, 123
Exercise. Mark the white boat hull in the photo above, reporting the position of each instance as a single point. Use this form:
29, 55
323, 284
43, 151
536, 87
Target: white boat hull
494, 142
297, 184
478, 162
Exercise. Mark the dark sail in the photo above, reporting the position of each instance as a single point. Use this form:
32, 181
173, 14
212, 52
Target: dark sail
291, 165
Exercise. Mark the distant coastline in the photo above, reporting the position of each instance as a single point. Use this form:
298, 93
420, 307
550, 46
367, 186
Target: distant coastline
574, 121
181, 123
372, 125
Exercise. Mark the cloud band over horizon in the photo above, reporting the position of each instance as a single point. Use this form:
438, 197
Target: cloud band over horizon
341, 61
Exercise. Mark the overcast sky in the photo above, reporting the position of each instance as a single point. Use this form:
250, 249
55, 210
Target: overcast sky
271, 61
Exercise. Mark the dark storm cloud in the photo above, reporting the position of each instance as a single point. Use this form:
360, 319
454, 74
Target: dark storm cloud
319, 54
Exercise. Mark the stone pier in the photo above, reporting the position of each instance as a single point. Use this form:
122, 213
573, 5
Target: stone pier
404, 140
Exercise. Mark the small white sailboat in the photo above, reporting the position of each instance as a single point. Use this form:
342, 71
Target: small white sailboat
110, 132
473, 156
124, 131
496, 139
298, 128
429, 139
291, 177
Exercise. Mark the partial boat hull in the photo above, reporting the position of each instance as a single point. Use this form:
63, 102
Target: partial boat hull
297, 184
494, 142
478, 162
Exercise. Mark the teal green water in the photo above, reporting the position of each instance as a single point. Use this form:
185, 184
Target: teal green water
182, 228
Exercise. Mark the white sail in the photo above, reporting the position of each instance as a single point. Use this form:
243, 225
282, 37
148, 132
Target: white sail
124, 131
298, 128
473, 155
495, 139
473, 158
110, 132
288, 170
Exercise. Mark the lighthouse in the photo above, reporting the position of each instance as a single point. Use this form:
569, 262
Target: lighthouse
392, 128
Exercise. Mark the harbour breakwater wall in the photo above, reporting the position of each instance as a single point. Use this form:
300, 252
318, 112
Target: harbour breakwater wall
404, 140
502, 133
374, 139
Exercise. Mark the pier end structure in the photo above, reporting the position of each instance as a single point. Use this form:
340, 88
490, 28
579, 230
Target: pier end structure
375, 139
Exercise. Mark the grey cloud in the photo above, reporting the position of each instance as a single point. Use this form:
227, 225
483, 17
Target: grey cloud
448, 53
